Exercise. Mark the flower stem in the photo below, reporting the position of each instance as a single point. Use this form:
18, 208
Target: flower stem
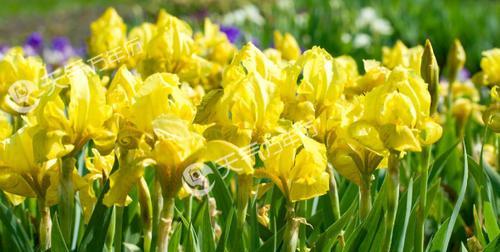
365, 203
146, 213
157, 207
119, 229
66, 194
424, 174
45, 228
334, 194
392, 181
167, 215
244, 190
291, 235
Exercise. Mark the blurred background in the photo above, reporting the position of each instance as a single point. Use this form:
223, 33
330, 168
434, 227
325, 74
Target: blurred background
356, 27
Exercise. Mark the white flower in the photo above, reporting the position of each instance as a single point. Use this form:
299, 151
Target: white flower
381, 26
366, 16
248, 13
362, 40
346, 38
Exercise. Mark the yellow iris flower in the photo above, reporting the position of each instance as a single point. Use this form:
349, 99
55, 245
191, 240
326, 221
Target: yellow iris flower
5, 127
396, 115
296, 164
29, 166
21, 81
80, 121
490, 64
108, 32
287, 46
400, 55
249, 107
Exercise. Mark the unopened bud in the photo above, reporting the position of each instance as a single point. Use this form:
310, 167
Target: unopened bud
429, 70
456, 60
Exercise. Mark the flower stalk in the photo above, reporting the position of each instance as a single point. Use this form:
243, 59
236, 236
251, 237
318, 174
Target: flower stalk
119, 229
365, 203
146, 213
291, 235
45, 227
334, 194
66, 194
424, 175
244, 191
392, 181
167, 215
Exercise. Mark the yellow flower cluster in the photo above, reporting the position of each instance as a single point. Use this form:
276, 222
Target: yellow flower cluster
188, 98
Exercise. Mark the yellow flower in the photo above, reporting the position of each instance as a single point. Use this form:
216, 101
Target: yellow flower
99, 168
122, 91
108, 32
21, 81
400, 55
287, 45
80, 121
28, 165
490, 64
296, 164
141, 35
375, 75
214, 44
159, 94
395, 113
249, 107
5, 127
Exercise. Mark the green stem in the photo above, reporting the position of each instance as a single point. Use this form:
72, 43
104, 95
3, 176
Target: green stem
119, 229
110, 235
157, 207
392, 181
167, 215
291, 235
424, 175
45, 228
146, 213
17, 122
67, 200
334, 194
244, 189
365, 203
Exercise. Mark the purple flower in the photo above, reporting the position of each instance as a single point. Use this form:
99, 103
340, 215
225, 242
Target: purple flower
33, 44
59, 52
61, 44
464, 74
4, 48
232, 32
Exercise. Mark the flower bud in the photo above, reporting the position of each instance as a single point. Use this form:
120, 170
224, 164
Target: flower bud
456, 60
429, 70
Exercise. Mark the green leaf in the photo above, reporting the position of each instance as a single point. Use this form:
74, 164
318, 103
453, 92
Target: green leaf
205, 230
221, 246
326, 240
493, 246
440, 161
221, 193
94, 236
272, 243
15, 232
401, 229
490, 220
175, 239
58, 242
441, 241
